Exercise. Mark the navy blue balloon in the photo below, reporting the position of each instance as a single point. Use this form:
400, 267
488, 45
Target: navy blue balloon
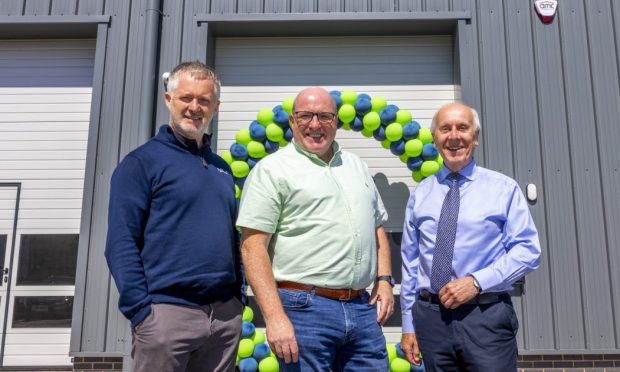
247, 330
276, 108
288, 135
335, 93
248, 365
238, 152
411, 130
357, 124
252, 162
429, 152
414, 164
240, 181
379, 134
398, 147
261, 351
362, 106
336, 98
281, 118
257, 132
363, 95
387, 116
392, 108
339, 124
271, 147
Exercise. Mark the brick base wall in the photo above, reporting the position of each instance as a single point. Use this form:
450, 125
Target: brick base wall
569, 363
99, 364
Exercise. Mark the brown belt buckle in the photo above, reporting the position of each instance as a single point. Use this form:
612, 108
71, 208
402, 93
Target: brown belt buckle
342, 298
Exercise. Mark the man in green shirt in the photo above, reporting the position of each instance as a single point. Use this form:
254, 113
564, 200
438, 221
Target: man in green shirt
313, 241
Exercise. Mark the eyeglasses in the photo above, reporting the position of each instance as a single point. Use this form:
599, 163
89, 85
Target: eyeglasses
305, 117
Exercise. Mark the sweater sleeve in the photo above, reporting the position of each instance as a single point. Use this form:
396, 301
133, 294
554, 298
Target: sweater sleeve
130, 199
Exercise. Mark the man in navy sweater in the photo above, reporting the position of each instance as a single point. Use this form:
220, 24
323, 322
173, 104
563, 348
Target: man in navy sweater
172, 247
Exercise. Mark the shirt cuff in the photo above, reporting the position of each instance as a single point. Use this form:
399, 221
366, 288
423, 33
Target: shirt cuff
408, 324
486, 278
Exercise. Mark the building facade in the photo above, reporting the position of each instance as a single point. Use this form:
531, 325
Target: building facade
80, 89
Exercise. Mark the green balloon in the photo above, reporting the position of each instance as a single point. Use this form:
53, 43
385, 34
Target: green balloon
377, 104
246, 348
243, 137
429, 167
366, 133
283, 142
346, 113
265, 116
439, 160
227, 156
404, 158
414, 147
403, 117
345, 126
391, 351
237, 192
248, 314
371, 121
274, 132
256, 149
417, 176
348, 97
394, 132
287, 105
240, 168
386, 144
237, 361
400, 365
425, 136
258, 338
269, 364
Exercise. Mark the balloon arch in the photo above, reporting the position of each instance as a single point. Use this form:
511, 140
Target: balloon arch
372, 117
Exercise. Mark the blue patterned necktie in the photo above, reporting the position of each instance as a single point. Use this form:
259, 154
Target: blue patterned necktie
441, 273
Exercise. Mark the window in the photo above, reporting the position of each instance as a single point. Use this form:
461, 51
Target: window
47, 259
42, 312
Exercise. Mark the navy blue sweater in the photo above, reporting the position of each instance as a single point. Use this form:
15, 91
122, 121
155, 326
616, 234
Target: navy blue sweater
171, 236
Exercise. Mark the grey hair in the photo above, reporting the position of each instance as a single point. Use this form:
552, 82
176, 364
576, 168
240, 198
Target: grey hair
474, 114
195, 69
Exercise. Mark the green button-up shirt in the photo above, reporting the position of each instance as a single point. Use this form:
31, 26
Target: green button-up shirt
322, 216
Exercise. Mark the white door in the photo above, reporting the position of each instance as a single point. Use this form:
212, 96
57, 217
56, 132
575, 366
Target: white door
9, 193
45, 95
416, 73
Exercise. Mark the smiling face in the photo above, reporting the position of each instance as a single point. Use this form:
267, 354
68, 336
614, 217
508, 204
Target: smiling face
455, 135
315, 137
192, 105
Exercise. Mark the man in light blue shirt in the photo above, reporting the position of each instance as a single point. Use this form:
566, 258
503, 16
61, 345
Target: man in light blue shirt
469, 323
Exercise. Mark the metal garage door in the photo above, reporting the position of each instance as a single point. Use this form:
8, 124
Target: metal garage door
45, 93
414, 73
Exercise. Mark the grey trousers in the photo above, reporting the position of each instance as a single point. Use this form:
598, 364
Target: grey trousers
179, 339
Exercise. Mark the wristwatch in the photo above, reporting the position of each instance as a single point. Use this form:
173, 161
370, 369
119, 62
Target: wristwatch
387, 278
476, 284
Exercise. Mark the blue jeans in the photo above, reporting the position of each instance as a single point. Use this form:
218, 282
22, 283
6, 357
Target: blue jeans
334, 335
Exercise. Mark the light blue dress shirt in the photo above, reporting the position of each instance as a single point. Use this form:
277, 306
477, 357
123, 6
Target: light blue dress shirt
496, 240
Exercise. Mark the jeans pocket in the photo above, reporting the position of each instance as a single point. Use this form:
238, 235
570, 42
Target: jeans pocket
512, 316
294, 299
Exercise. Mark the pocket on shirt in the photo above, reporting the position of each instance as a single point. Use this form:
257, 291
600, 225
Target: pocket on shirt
294, 299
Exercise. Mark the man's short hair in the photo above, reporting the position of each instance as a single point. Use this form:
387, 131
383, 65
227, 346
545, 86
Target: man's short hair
196, 69
474, 113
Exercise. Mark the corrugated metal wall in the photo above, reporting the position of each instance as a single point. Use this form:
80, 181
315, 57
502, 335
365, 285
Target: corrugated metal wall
549, 97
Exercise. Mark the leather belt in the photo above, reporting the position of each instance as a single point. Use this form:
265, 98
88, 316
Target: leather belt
481, 299
333, 294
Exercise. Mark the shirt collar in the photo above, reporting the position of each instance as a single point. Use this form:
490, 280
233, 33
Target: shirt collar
191, 144
467, 172
315, 157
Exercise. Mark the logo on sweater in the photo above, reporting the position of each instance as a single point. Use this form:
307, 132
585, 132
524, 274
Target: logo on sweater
223, 171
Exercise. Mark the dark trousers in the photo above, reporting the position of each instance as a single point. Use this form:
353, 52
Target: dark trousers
468, 338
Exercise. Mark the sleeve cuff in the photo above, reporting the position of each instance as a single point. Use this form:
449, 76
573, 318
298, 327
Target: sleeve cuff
408, 324
140, 316
486, 279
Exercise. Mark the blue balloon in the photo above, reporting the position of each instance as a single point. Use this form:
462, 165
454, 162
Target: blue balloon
392, 108
288, 135
398, 147
429, 152
271, 147
247, 330
414, 164
399, 351
379, 134
240, 182
411, 130
238, 152
340, 124
357, 124
252, 162
281, 118
362, 106
336, 98
363, 95
276, 108
248, 365
335, 93
257, 132
261, 351
387, 116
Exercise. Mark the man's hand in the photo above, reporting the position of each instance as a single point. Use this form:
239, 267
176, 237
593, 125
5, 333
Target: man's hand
457, 292
409, 344
281, 339
382, 293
